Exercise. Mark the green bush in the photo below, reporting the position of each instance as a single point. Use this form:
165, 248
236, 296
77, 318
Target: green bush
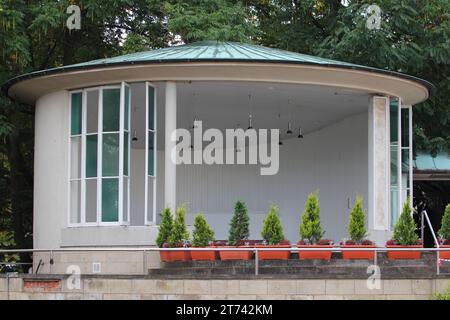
203, 234
179, 232
165, 228
444, 232
443, 296
405, 227
310, 228
272, 230
357, 221
239, 225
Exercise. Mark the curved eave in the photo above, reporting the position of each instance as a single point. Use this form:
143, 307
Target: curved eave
16, 88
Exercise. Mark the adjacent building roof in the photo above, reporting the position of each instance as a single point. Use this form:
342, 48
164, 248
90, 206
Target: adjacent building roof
427, 167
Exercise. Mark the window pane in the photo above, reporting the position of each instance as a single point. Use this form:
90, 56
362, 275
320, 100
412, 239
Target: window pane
394, 120
76, 113
127, 107
92, 111
126, 152
75, 201
111, 109
91, 200
125, 200
91, 156
405, 127
110, 162
150, 199
394, 166
151, 108
110, 200
75, 158
151, 153
394, 206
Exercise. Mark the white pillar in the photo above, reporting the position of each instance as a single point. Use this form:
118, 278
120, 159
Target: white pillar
170, 174
379, 169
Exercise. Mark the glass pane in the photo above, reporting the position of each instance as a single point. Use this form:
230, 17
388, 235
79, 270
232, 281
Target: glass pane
75, 158
110, 200
127, 107
92, 111
394, 120
91, 200
91, 156
151, 153
394, 166
125, 200
150, 198
126, 152
75, 201
151, 108
405, 127
75, 113
111, 109
405, 160
110, 162
394, 206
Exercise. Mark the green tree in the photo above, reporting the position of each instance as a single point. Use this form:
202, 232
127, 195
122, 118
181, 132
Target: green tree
221, 20
239, 225
203, 234
405, 227
444, 231
310, 228
272, 230
165, 228
357, 221
179, 232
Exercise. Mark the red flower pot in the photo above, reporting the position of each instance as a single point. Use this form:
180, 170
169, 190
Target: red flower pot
397, 255
315, 255
235, 255
444, 254
164, 256
200, 255
274, 255
179, 255
358, 255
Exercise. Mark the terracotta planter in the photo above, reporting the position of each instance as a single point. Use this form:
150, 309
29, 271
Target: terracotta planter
210, 255
358, 255
444, 254
397, 255
274, 255
235, 255
179, 255
164, 256
315, 255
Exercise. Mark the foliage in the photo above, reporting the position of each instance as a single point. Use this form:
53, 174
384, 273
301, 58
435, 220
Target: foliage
405, 227
7, 242
203, 234
444, 232
310, 228
165, 228
221, 20
357, 221
239, 225
442, 296
272, 230
179, 231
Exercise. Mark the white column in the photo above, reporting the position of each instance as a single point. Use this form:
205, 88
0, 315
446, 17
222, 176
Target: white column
170, 174
379, 169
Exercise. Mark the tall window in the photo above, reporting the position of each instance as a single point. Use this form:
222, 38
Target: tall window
401, 157
150, 183
99, 159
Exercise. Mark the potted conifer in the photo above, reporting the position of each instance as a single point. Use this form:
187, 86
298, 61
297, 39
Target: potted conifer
164, 232
357, 231
238, 234
202, 236
273, 236
404, 236
444, 233
179, 237
311, 232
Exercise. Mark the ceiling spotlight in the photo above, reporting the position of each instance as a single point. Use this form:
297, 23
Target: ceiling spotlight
135, 138
289, 130
300, 134
250, 123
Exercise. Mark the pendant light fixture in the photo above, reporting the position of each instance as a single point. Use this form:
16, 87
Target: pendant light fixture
250, 123
194, 124
135, 138
289, 130
300, 134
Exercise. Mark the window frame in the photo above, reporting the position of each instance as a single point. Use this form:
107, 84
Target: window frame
152, 221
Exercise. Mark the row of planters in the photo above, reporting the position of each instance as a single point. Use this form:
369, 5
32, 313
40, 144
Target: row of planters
173, 233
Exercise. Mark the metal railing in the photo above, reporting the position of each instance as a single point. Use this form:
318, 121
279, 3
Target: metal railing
436, 241
255, 250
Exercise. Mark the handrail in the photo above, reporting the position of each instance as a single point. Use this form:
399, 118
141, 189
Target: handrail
436, 242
